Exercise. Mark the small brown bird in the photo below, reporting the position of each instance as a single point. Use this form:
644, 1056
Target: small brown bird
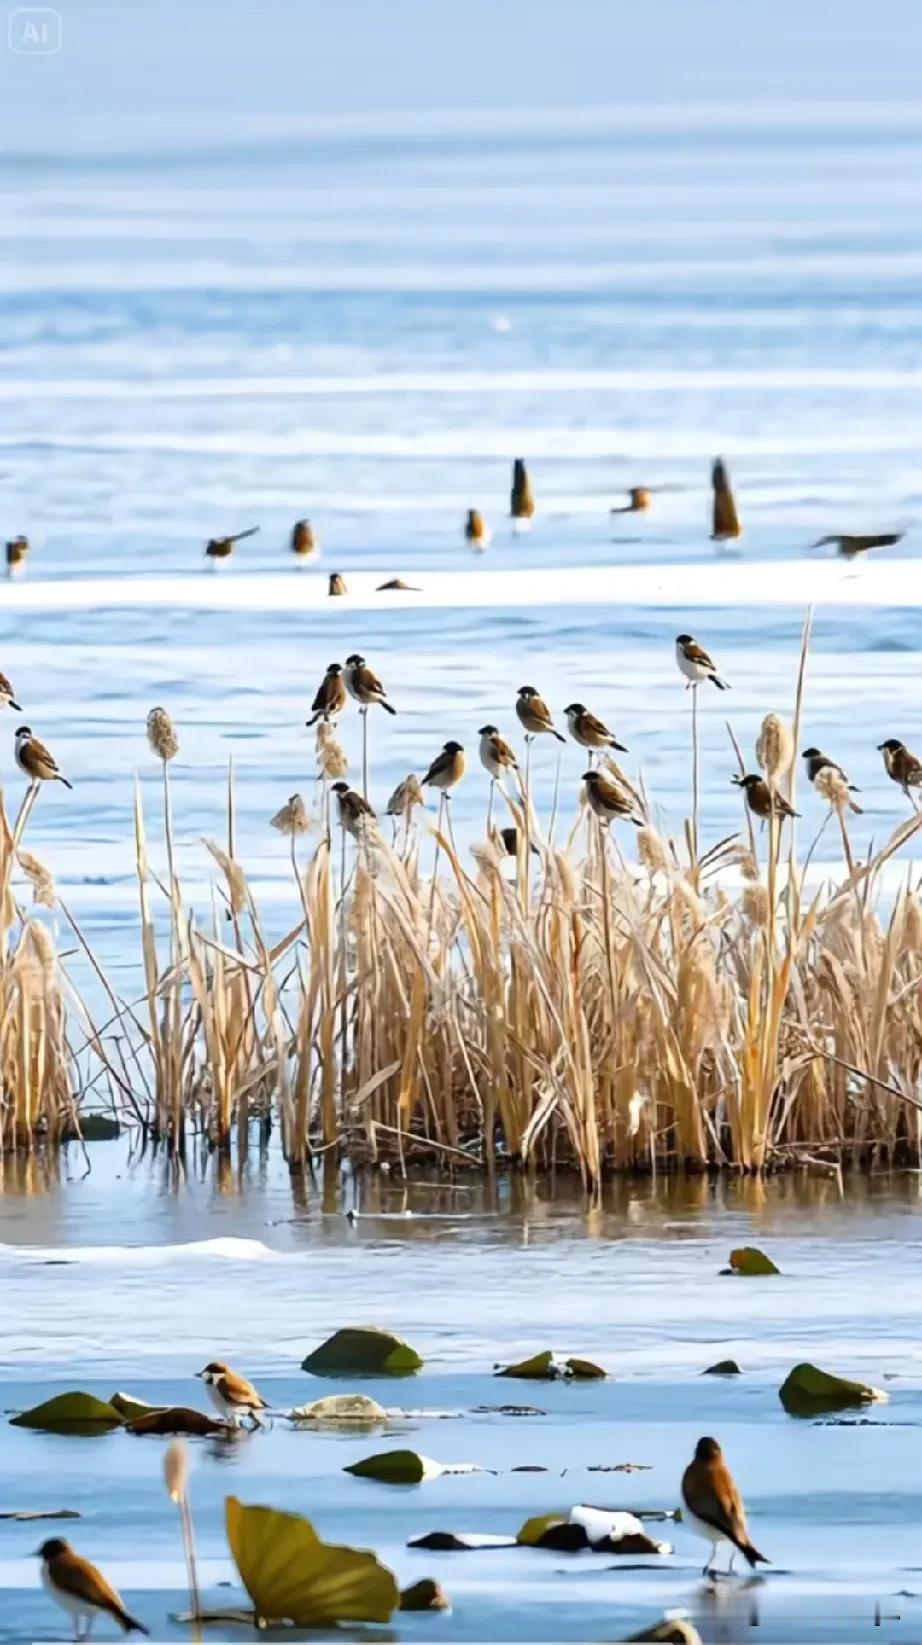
761, 799
588, 731
851, 547
221, 548
331, 697
901, 766
35, 760
405, 798
7, 700
534, 714
725, 520
521, 498
447, 769
609, 802
510, 842
337, 584
713, 1505
304, 541
639, 502
475, 531
80, 1589
496, 756
355, 814
230, 1394
16, 551
363, 684
695, 663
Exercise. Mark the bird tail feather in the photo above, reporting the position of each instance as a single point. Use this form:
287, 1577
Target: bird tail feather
752, 1555
387, 705
720, 684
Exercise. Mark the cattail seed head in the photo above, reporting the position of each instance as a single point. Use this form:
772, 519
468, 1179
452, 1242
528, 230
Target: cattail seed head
331, 756
176, 1471
293, 818
161, 734
40, 878
652, 851
831, 784
755, 904
775, 747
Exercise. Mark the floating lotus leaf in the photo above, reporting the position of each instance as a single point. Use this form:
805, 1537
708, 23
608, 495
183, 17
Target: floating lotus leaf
532, 1533
292, 1576
808, 1391
406, 1468
362, 1351
749, 1261
70, 1413
540, 1368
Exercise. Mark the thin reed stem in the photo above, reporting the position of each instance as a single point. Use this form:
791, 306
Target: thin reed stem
364, 713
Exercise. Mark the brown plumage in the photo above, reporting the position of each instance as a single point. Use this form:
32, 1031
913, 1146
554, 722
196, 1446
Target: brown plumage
7, 699
609, 802
534, 714
589, 731
713, 1504
363, 684
725, 520
761, 799
80, 1589
231, 1394
221, 548
496, 756
521, 498
509, 836
303, 541
36, 760
16, 550
331, 697
447, 768
406, 796
337, 584
355, 814
639, 502
901, 766
696, 664
475, 531
849, 547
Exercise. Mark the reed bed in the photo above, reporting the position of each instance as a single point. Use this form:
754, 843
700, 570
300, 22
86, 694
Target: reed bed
573, 1009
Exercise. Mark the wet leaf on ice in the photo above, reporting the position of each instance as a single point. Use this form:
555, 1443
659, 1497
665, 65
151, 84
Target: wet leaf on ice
406, 1468
749, 1261
460, 1542
531, 1534
177, 1419
672, 1630
362, 1351
424, 1595
723, 1368
605, 1530
128, 1407
545, 1367
584, 1370
348, 1410
292, 1576
808, 1391
73, 1413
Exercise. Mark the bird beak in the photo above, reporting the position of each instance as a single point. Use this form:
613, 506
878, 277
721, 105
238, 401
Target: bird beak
200, 1373
736, 782
880, 748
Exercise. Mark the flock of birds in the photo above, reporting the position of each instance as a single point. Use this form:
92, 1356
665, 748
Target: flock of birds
304, 541
712, 1508
609, 796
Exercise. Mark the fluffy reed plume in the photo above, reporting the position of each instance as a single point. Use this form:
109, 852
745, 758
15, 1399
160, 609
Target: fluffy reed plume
833, 787
651, 849
161, 735
292, 819
176, 1479
331, 756
775, 748
40, 878
755, 904
405, 798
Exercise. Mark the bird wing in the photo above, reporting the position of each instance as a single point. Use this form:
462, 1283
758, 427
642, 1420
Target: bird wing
238, 1391
368, 680
6, 685
712, 1496
439, 766
697, 654
595, 725
76, 1576
502, 752
40, 754
538, 708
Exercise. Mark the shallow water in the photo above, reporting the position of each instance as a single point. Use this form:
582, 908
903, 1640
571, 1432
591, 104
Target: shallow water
118, 1280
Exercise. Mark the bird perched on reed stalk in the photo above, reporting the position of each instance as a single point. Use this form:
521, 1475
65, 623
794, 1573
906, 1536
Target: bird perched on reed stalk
609, 802
331, 697
534, 714
221, 548
816, 761
304, 540
447, 769
496, 756
696, 664
901, 766
81, 1590
36, 760
725, 522
763, 801
589, 731
509, 839
850, 547
639, 501
355, 814
713, 1505
232, 1396
7, 699
337, 584
363, 684
405, 798
521, 497
475, 531
17, 550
